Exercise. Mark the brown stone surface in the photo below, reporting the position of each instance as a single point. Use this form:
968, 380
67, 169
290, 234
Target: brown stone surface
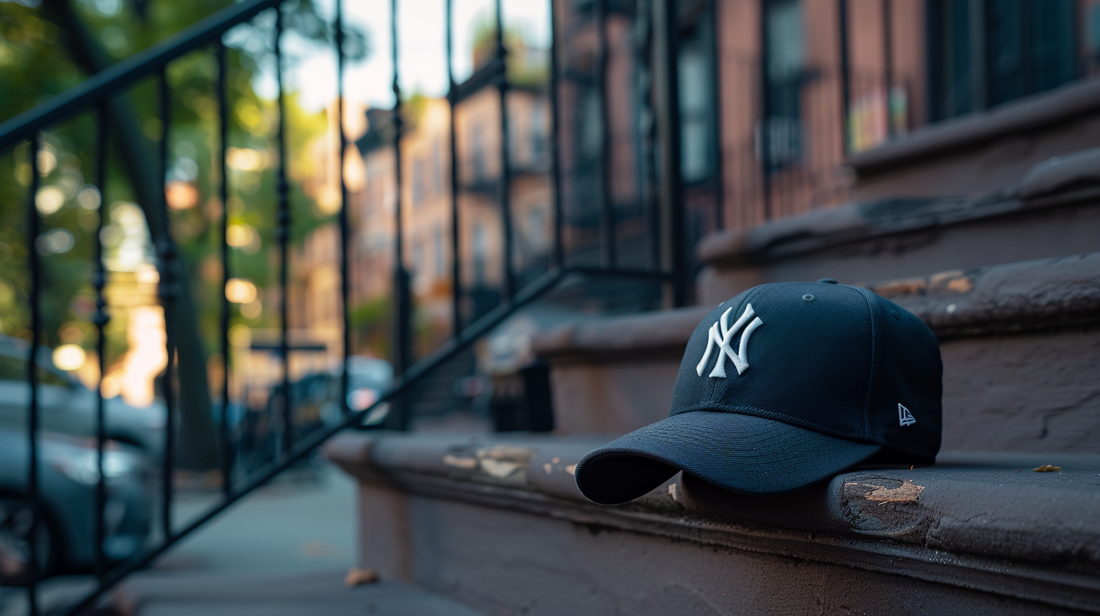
981, 151
972, 534
1020, 345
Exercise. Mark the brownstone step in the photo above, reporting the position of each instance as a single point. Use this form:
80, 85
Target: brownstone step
1020, 343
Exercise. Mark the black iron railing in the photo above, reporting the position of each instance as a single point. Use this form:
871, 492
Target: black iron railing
95, 95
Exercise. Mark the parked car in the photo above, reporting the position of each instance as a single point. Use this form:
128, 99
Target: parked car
315, 403
68, 407
68, 473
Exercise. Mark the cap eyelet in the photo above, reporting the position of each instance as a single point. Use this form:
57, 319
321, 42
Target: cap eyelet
807, 297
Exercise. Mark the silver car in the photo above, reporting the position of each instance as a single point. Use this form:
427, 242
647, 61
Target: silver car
68, 407
68, 473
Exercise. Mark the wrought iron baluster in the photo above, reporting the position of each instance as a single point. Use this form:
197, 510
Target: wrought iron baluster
765, 114
668, 126
402, 295
716, 102
508, 285
607, 206
555, 154
345, 230
888, 64
283, 236
845, 75
452, 100
223, 192
32, 375
166, 264
643, 51
100, 318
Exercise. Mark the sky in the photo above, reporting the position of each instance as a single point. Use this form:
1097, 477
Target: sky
421, 48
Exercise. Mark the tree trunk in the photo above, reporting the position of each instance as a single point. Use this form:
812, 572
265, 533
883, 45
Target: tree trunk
198, 437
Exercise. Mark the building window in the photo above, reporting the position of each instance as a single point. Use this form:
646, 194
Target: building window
418, 180
779, 137
437, 167
538, 134
437, 249
477, 153
479, 248
983, 54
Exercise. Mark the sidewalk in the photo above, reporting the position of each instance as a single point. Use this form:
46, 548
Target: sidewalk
274, 594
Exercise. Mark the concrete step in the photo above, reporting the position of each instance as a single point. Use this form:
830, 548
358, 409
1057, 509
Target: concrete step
498, 524
1020, 346
1053, 210
283, 594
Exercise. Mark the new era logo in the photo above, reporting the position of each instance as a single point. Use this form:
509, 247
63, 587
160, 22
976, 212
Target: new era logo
720, 335
905, 418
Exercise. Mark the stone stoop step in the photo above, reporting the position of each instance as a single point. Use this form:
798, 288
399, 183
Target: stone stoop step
498, 523
1020, 345
272, 594
1053, 210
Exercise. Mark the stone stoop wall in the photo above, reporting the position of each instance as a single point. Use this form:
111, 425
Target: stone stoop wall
496, 522
1020, 344
981, 151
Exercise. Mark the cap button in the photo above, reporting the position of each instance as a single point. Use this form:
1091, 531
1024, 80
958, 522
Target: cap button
828, 280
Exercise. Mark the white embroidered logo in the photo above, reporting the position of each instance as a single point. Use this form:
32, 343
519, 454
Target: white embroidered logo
720, 335
905, 418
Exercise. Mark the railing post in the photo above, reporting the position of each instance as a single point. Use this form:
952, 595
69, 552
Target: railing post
888, 65
558, 259
607, 212
647, 127
402, 297
345, 229
845, 76
719, 142
452, 101
32, 374
765, 115
665, 48
508, 284
223, 331
282, 189
100, 319
167, 266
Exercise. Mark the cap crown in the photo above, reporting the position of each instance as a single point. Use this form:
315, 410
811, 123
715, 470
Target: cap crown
835, 359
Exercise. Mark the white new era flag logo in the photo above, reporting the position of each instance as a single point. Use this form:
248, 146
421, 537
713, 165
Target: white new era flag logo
720, 335
905, 418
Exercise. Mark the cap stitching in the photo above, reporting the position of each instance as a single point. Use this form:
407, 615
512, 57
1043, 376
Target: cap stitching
874, 364
766, 414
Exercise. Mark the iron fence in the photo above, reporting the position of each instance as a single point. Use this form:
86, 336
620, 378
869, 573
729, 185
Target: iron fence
97, 94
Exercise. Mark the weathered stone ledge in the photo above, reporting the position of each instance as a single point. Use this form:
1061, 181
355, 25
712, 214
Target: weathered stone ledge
983, 522
1032, 295
1059, 181
1059, 106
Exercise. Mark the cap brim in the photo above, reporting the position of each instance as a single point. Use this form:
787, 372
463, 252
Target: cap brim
743, 453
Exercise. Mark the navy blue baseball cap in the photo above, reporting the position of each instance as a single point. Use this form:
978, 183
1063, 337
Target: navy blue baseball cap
783, 386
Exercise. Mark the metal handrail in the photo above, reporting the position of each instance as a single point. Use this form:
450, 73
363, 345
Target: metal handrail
142, 64
301, 449
96, 94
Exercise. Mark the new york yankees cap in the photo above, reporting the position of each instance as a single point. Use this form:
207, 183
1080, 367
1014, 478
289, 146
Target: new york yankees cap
782, 386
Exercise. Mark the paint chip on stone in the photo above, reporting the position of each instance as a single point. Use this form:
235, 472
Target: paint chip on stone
457, 462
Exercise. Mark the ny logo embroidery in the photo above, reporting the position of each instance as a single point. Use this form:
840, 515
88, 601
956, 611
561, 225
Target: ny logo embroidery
720, 335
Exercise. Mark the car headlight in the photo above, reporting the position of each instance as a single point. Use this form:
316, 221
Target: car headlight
79, 464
